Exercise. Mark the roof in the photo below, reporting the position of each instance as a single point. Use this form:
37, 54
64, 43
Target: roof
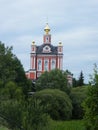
53, 49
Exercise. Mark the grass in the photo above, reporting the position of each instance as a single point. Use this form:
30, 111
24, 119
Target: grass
67, 125
62, 125
3, 128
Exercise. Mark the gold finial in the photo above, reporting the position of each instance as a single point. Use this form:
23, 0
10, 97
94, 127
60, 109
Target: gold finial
60, 43
33, 43
47, 29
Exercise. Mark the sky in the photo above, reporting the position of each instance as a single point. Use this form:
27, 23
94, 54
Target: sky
72, 22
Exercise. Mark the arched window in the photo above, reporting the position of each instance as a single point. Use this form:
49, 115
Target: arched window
46, 65
39, 65
53, 64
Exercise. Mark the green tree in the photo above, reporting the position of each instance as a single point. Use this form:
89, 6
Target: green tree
55, 79
81, 79
11, 69
57, 103
6, 64
10, 111
21, 114
77, 95
20, 77
12, 91
34, 116
75, 82
91, 103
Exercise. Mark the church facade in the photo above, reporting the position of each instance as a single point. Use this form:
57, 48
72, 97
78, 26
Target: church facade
45, 57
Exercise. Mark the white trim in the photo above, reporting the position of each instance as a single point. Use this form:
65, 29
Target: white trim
61, 65
31, 62
58, 63
46, 55
34, 63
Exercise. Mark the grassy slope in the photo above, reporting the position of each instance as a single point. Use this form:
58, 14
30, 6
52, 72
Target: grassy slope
68, 125
62, 125
3, 128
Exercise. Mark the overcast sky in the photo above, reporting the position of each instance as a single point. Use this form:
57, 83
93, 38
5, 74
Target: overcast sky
73, 22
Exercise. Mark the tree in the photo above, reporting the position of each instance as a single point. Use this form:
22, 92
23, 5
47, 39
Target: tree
11, 69
10, 105
10, 111
34, 116
91, 103
57, 103
12, 91
20, 77
17, 109
75, 82
19, 113
55, 79
6, 64
81, 79
77, 95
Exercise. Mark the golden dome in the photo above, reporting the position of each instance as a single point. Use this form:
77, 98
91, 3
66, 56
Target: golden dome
47, 29
33, 43
60, 44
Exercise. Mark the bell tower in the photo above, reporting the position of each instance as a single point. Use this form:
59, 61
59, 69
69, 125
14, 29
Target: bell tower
47, 36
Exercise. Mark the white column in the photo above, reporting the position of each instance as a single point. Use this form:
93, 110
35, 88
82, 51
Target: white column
58, 62
34, 62
31, 62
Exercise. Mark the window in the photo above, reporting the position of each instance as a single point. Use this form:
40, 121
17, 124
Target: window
39, 65
46, 65
53, 64
46, 49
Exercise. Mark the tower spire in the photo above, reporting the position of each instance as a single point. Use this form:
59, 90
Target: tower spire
47, 36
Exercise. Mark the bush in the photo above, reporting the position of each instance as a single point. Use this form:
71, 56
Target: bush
58, 104
77, 96
55, 79
91, 103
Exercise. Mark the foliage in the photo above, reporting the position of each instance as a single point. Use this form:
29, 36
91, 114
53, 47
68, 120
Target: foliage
34, 116
16, 109
18, 113
11, 69
10, 111
81, 79
55, 79
75, 82
77, 96
11, 91
62, 125
91, 104
6, 64
58, 104
29, 115
10, 105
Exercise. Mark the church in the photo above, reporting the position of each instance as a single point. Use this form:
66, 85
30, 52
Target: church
45, 57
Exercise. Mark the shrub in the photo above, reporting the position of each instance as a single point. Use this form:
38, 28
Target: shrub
58, 104
77, 96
